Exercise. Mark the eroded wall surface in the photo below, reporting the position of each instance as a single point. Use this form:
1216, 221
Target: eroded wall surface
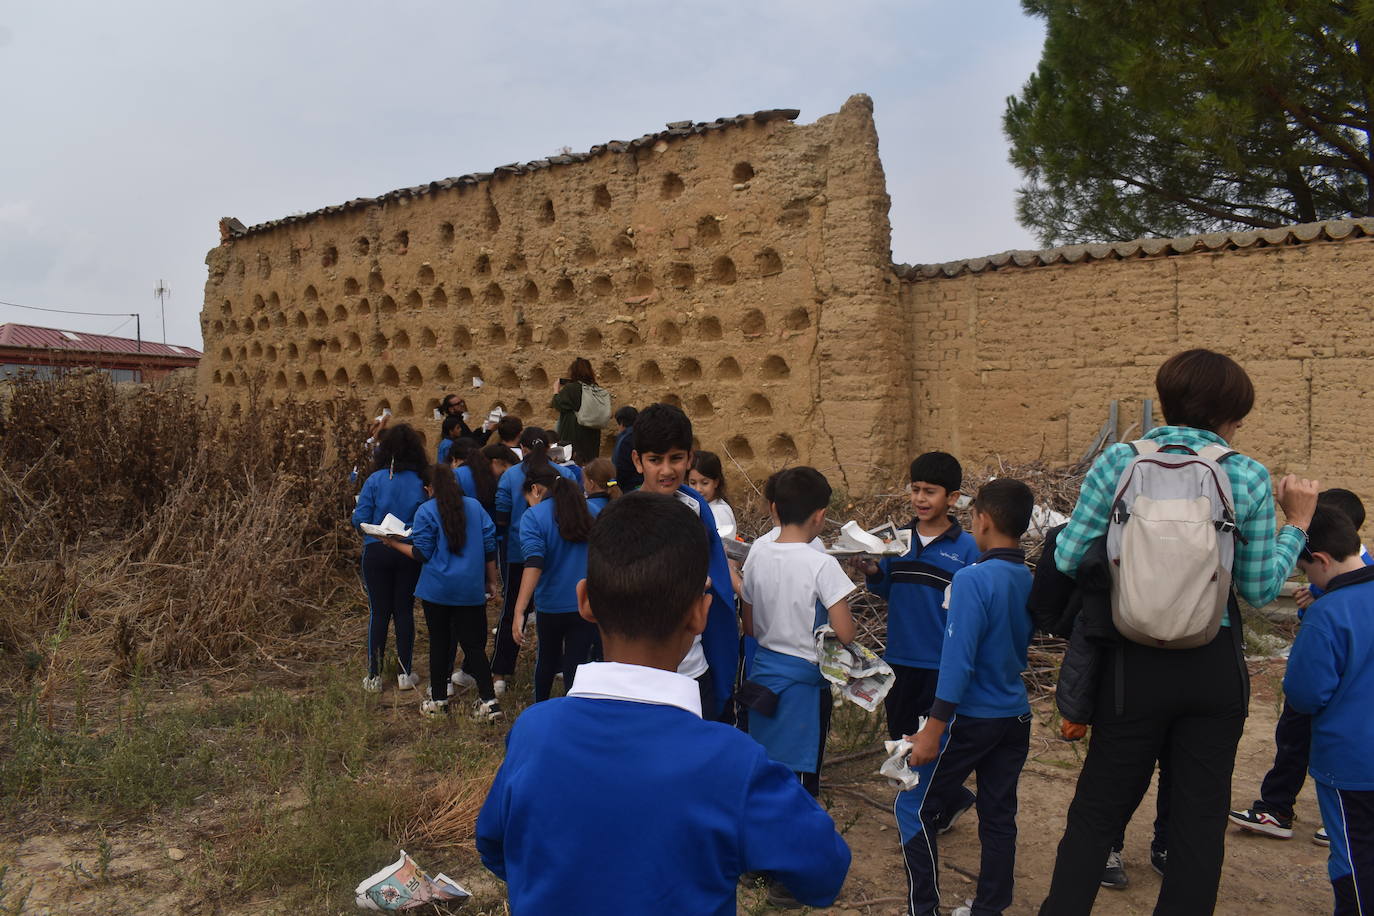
742, 272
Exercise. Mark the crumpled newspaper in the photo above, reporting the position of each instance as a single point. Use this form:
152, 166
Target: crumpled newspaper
403, 885
861, 675
390, 526
897, 766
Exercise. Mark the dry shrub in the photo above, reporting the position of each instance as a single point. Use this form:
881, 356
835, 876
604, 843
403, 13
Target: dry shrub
142, 528
447, 814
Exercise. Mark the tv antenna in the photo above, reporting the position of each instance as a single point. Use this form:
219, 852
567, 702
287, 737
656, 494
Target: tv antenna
162, 291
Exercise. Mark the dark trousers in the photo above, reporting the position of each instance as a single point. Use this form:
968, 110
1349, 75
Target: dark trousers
1283, 782
504, 652
994, 749
390, 578
811, 782
451, 627
1349, 819
1183, 705
911, 696
565, 641
1160, 842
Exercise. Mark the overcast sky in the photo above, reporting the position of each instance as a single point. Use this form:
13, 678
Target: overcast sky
130, 128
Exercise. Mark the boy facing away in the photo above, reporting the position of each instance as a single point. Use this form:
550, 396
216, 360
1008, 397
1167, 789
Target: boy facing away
789, 590
1331, 678
980, 720
618, 798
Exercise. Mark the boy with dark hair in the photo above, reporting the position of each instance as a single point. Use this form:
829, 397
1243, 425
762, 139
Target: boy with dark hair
626, 475
508, 430
662, 453
618, 798
914, 586
1331, 678
980, 720
789, 590
1272, 813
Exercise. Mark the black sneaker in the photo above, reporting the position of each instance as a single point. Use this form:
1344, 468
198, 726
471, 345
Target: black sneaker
947, 824
1114, 874
1264, 822
1158, 859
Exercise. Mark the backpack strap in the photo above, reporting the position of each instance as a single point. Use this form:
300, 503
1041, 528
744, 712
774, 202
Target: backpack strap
1228, 525
1145, 446
1217, 453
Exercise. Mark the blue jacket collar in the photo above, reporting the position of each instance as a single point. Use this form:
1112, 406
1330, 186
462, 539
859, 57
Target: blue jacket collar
1010, 554
1356, 577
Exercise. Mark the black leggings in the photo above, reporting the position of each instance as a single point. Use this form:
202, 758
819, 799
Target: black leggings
452, 626
390, 578
565, 641
504, 651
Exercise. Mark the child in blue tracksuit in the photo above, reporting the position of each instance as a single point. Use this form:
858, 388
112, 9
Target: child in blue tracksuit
553, 541
454, 541
395, 487
1331, 678
980, 720
618, 798
785, 581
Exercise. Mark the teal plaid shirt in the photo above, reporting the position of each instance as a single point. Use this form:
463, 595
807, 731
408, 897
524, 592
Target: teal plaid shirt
1263, 560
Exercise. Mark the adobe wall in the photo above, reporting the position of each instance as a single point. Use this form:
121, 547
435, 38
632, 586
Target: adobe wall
741, 270
1021, 362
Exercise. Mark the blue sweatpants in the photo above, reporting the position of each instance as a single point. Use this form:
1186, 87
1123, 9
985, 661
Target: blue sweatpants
1349, 819
390, 579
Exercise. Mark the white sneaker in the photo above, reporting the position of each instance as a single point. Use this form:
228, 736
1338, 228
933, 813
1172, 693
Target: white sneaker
429, 692
486, 711
965, 910
462, 680
408, 681
434, 709
499, 686
373, 684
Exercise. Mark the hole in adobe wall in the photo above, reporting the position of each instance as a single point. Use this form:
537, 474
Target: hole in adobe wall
430, 406
273, 301
602, 286
414, 378
723, 270
340, 313
400, 242
669, 333
229, 380
462, 297
387, 306
219, 326
243, 354
301, 321
591, 339
255, 351
316, 345
493, 294
442, 374
545, 215
225, 355
279, 380
446, 233
233, 326
538, 377
728, 368
649, 373
482, 266
700, 406
795, 214
799, 319
708, 328
529, 291
492, 219
775, 367
585, 254
414, 300
292, 351
279, 320
682, 276
515, 262
341, 376
227, 309
334, 345
428, 338
471, 372
768, 262
364, 307
390, 376
758, 406
672, 186
426, 275
377, 343
739, 448
299, 382
610, 373
354, 342
558, 339
263, 323
321, 317
496, 335
364, 374
643, 284
406, 408
258, 303
462, 338
708, 229
688, 370
438, 299
264, 267
383, 404
524, 335
361, 245
752, 323
507, 378
318, 379
352, 287
563, 290
312, 294
401, 341
742, 172
627, 337
271, 353
671, 399
601, 197
522, 408
374, 280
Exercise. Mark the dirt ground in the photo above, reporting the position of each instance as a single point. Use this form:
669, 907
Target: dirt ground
153, 867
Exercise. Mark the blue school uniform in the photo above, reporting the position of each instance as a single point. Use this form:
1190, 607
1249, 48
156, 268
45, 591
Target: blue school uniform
563, 563
511, 505
600, 500
668, 810
457, 579
720, 640
792, 734
1317, 592
383, 493
914, 586
445, 446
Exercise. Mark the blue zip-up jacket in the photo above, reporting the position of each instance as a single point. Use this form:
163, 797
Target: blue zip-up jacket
1317, 592
1331, 678
447, 577
914, 585
463, 474
720, 639
511, 505
564, 563
384, 493
986, 640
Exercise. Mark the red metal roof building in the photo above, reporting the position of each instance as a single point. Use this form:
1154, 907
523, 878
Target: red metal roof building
48, 351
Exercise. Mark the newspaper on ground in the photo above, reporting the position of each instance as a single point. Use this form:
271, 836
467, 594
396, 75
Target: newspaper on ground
862, 676
403, 885
885, 540
1043, 518
391, 525
897, 766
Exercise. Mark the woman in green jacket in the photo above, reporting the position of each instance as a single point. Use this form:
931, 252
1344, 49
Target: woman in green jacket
567, 400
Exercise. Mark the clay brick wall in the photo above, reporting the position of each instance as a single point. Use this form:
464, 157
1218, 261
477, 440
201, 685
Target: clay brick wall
740, 270
1022, 362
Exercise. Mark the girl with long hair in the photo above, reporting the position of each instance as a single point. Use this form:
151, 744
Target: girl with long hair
553, 540
473, 471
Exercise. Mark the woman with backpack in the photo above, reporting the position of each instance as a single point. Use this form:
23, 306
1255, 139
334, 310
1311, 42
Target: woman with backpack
584, 409
1178, 688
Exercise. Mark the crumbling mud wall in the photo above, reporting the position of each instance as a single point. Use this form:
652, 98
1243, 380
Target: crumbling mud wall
1020, 356
740, 269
